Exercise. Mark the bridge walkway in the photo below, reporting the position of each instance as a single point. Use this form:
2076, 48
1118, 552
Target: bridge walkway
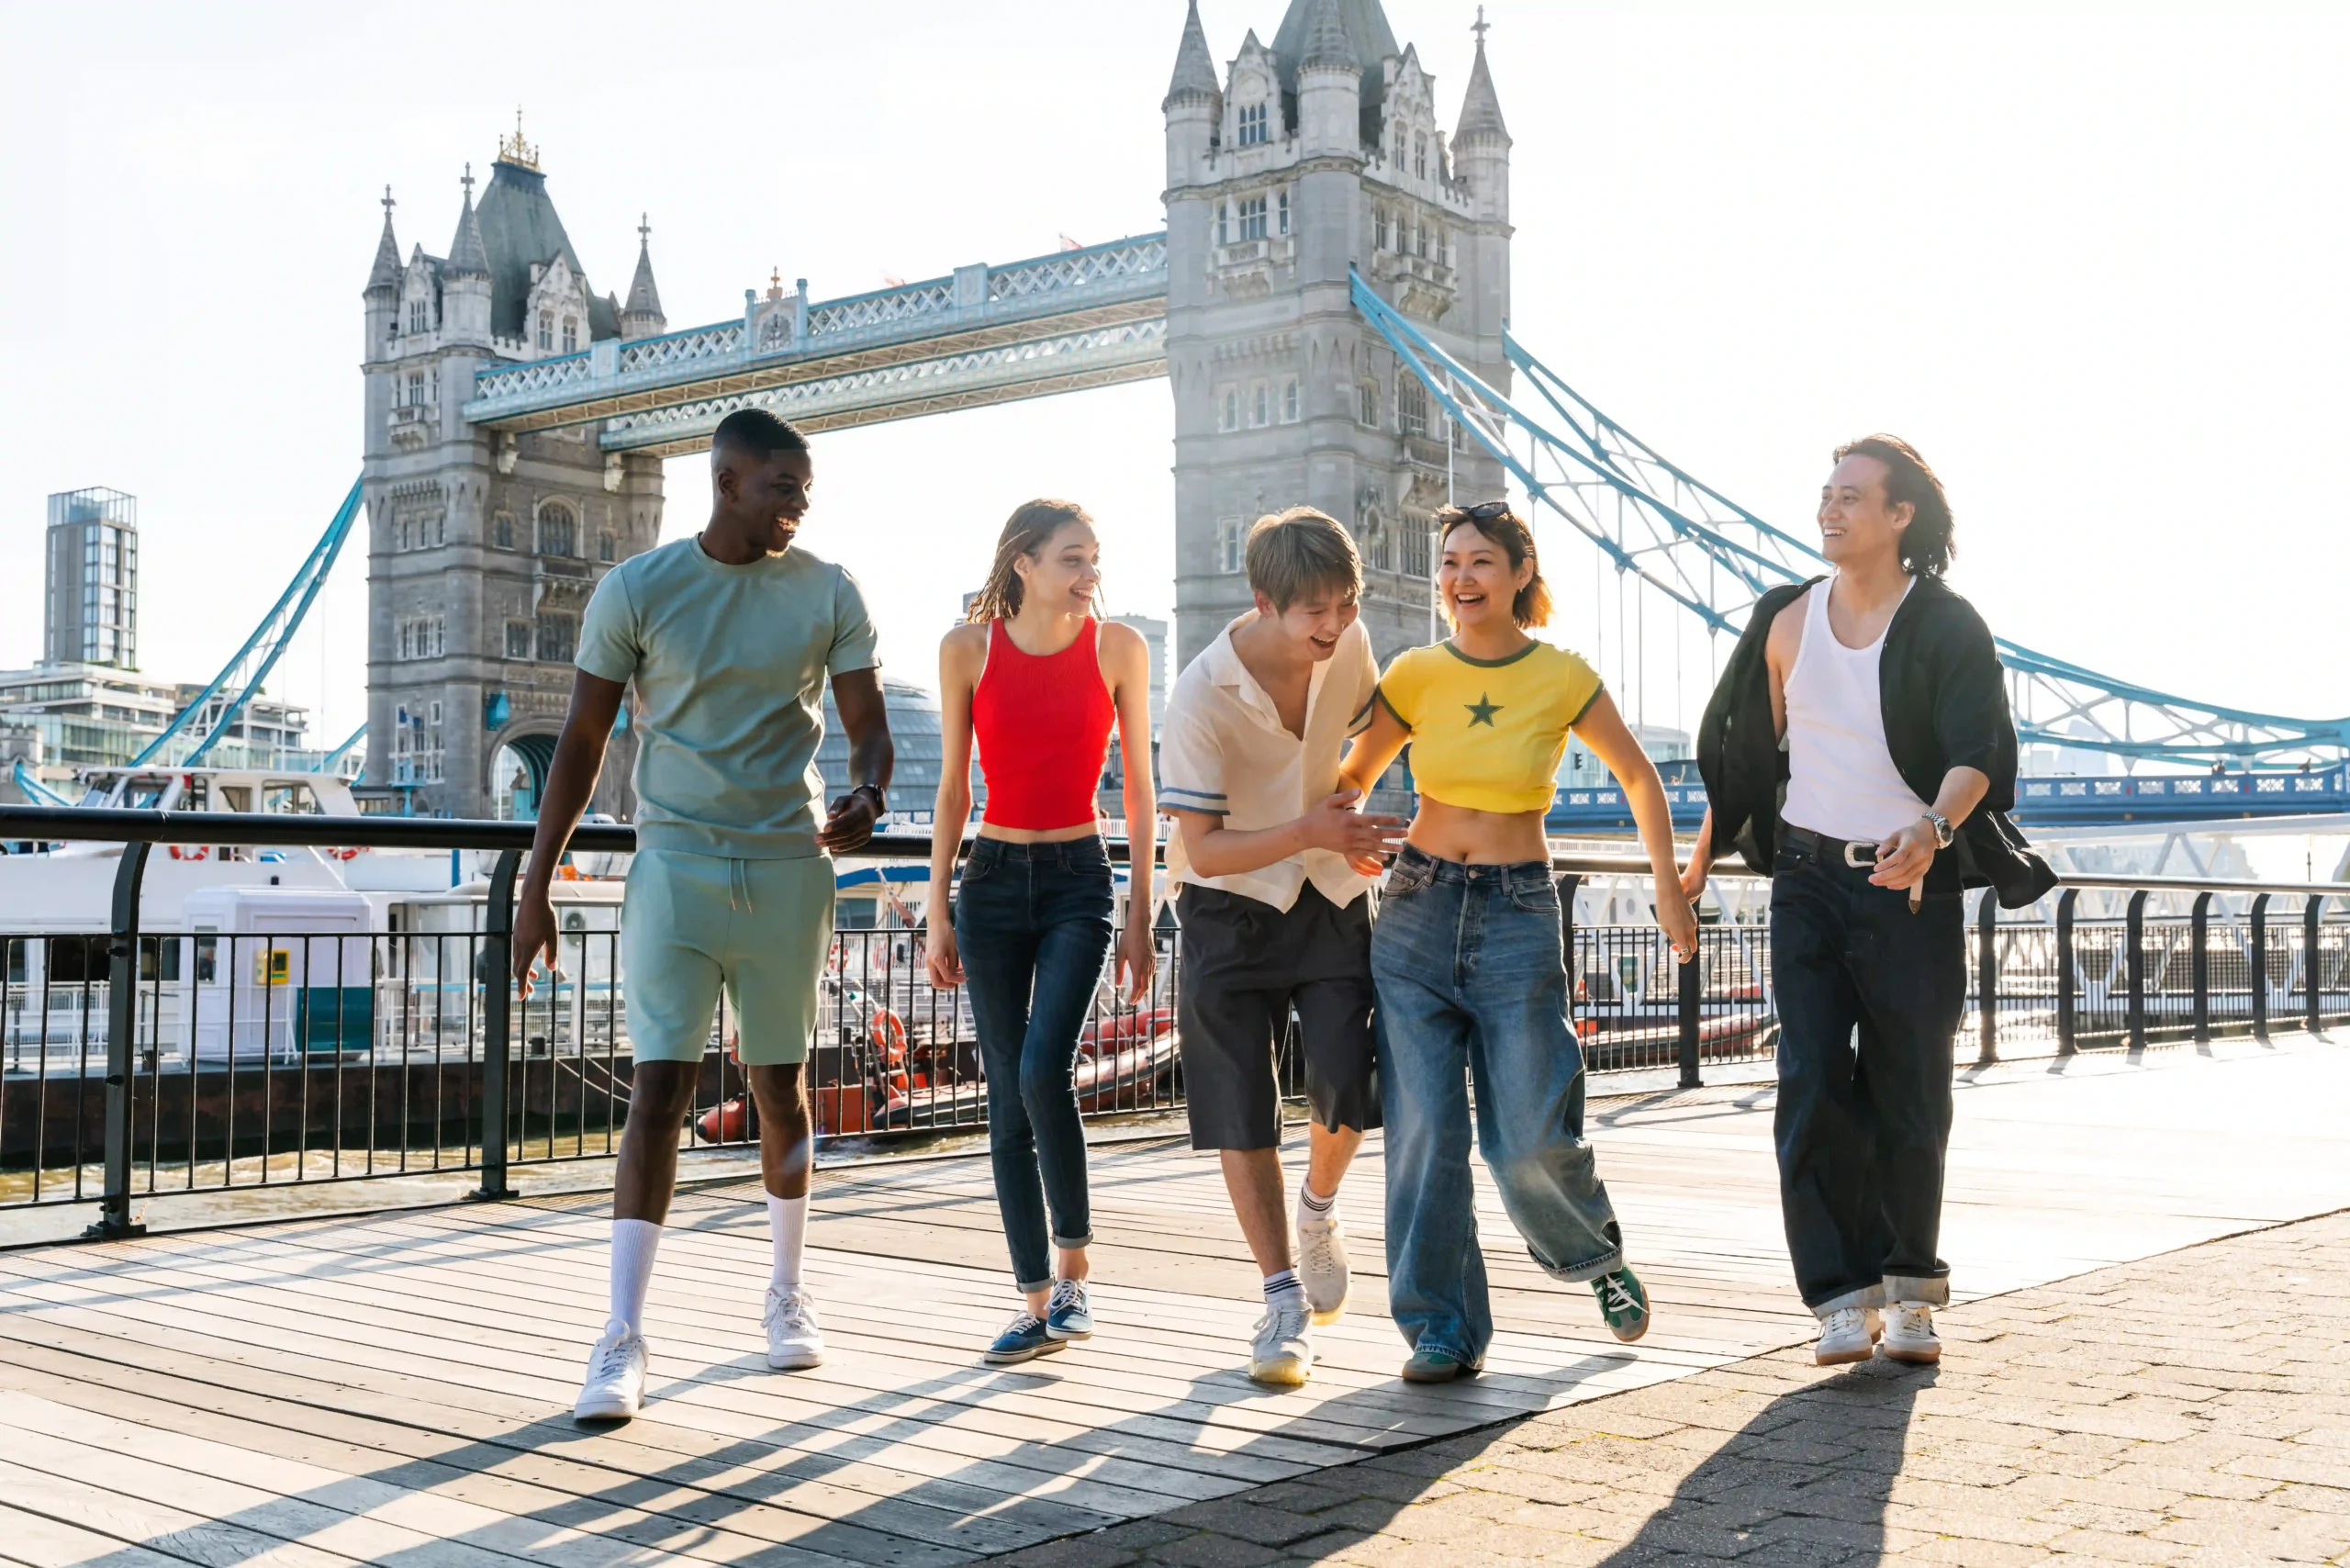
395, 1386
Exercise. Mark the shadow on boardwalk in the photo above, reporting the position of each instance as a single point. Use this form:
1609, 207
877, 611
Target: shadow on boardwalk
1808, 1479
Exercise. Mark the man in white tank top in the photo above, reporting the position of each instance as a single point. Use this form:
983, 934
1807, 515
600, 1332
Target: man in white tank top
1867, 925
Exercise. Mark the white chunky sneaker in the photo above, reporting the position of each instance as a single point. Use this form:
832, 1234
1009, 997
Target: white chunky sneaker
1848, 1334
615, 1387
793, 1339
1322, 1264
1282, 1352
1909, 1334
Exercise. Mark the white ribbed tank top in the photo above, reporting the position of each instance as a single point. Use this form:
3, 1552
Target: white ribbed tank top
1841, 780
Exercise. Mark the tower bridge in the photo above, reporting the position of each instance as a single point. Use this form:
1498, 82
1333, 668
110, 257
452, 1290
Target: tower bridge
1329, 302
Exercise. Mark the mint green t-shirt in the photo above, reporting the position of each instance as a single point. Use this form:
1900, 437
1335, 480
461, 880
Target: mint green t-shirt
729, 665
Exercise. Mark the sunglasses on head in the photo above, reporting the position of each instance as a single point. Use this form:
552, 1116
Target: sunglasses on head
1485, 511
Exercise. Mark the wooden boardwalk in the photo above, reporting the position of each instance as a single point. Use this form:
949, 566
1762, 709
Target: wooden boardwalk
396, 1387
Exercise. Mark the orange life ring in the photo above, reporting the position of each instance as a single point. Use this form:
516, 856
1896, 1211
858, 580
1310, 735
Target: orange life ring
349, 854
190, 851
888, 1035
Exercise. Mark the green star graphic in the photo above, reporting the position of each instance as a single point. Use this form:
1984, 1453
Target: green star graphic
1482, 710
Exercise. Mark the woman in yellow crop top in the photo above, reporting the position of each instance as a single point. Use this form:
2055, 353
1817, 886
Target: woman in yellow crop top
1465, 954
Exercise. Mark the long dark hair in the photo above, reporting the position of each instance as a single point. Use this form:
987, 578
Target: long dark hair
1926, 544
1506, 529
1026, 532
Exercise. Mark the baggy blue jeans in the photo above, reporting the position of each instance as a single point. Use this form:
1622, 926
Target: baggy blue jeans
1471, 985
1033, 923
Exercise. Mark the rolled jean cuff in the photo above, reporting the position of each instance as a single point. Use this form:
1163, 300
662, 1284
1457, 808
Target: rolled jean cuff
1917, 1288
1867, 1295
1607, 1263
1029, 1287
1072, 1243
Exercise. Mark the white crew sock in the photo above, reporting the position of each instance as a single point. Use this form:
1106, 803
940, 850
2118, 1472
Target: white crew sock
1313, 1208
635, 1243
788, 1229
1283, 1290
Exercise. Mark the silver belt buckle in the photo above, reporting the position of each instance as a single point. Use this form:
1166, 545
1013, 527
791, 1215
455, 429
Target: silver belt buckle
1852, 855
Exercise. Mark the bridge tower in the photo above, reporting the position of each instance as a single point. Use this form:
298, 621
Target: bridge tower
1311, 158
483, 546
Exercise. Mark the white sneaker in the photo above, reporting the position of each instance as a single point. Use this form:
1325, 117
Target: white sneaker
1322, 1264
794, 1341
1909, 1334
615, 1387
1848, 1334
1282, 1352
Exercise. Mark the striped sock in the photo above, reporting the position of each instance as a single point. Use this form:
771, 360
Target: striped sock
1313, 1208
1282, 1290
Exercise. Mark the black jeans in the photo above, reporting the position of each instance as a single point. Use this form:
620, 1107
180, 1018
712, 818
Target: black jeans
1033, 922
1870, 996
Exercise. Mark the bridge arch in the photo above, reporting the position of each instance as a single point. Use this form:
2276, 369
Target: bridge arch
518, 764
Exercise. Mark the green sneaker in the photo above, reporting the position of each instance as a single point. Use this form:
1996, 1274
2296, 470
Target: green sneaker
1623, 1304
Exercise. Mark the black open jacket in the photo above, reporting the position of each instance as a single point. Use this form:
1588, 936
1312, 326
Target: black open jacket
1945, 704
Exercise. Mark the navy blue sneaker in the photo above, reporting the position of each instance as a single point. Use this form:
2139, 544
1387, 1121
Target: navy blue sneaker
1024, 1340
1068, 1316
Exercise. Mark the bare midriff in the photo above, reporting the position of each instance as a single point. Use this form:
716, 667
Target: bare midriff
1477, 838
1039, 834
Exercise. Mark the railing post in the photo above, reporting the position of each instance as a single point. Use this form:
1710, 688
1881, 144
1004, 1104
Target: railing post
122, 1023
1690, 994
498, 1022
2068, 984
2259, 918
1986, 977
2134, 932
2312, 933
2200, 968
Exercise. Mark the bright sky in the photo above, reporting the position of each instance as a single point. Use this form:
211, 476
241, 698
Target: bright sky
2088, 258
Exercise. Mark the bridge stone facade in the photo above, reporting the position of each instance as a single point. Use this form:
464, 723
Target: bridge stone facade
1304, 160
483, 545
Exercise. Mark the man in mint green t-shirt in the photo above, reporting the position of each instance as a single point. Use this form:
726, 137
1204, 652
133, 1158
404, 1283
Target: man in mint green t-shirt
729, 638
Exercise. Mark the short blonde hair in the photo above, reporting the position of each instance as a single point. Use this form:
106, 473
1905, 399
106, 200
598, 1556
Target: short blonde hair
1296, 552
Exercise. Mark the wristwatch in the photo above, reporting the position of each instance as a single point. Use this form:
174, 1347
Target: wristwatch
881, 798
1943, 831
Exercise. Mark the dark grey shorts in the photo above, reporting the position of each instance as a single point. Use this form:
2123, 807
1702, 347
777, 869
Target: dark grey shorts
1245, 965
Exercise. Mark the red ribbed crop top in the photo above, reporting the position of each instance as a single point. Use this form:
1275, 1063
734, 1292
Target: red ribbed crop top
1043, 727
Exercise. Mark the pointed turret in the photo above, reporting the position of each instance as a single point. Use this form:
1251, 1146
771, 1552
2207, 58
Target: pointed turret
465, 277
642, 317
386, 274
1481, 109
1195, 66
1329, 86
468, 257
1326, 44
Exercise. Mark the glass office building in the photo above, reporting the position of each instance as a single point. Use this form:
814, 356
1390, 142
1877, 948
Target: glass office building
92, 613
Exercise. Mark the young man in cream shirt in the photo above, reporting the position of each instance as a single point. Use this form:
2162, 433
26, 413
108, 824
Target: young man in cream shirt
1273, 866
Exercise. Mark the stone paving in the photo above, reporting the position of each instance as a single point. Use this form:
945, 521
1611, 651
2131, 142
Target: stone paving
2191, 1408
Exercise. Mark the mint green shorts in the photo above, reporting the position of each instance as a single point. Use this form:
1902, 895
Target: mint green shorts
696, 924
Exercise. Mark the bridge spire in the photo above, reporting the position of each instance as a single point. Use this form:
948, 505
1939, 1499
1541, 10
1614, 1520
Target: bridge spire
1195, 66
468, 256
1480, 107
1327, 42
642, 317
386, 271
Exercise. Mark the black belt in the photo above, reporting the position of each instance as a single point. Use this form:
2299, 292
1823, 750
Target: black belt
1858, 854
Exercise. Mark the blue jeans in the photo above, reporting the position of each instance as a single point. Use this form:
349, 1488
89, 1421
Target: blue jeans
1033, 922
1869, 998
1471, 985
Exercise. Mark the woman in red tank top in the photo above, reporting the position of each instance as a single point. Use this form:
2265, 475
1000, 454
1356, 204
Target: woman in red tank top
1038, 679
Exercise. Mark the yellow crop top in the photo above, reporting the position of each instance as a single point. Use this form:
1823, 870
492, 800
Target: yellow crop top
1488, 735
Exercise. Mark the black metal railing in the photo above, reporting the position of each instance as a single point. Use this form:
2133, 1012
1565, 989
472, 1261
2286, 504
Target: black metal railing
137, 1064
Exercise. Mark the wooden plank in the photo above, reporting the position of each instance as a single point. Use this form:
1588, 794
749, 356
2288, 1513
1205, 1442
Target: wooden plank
711, 1461
641, 1511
